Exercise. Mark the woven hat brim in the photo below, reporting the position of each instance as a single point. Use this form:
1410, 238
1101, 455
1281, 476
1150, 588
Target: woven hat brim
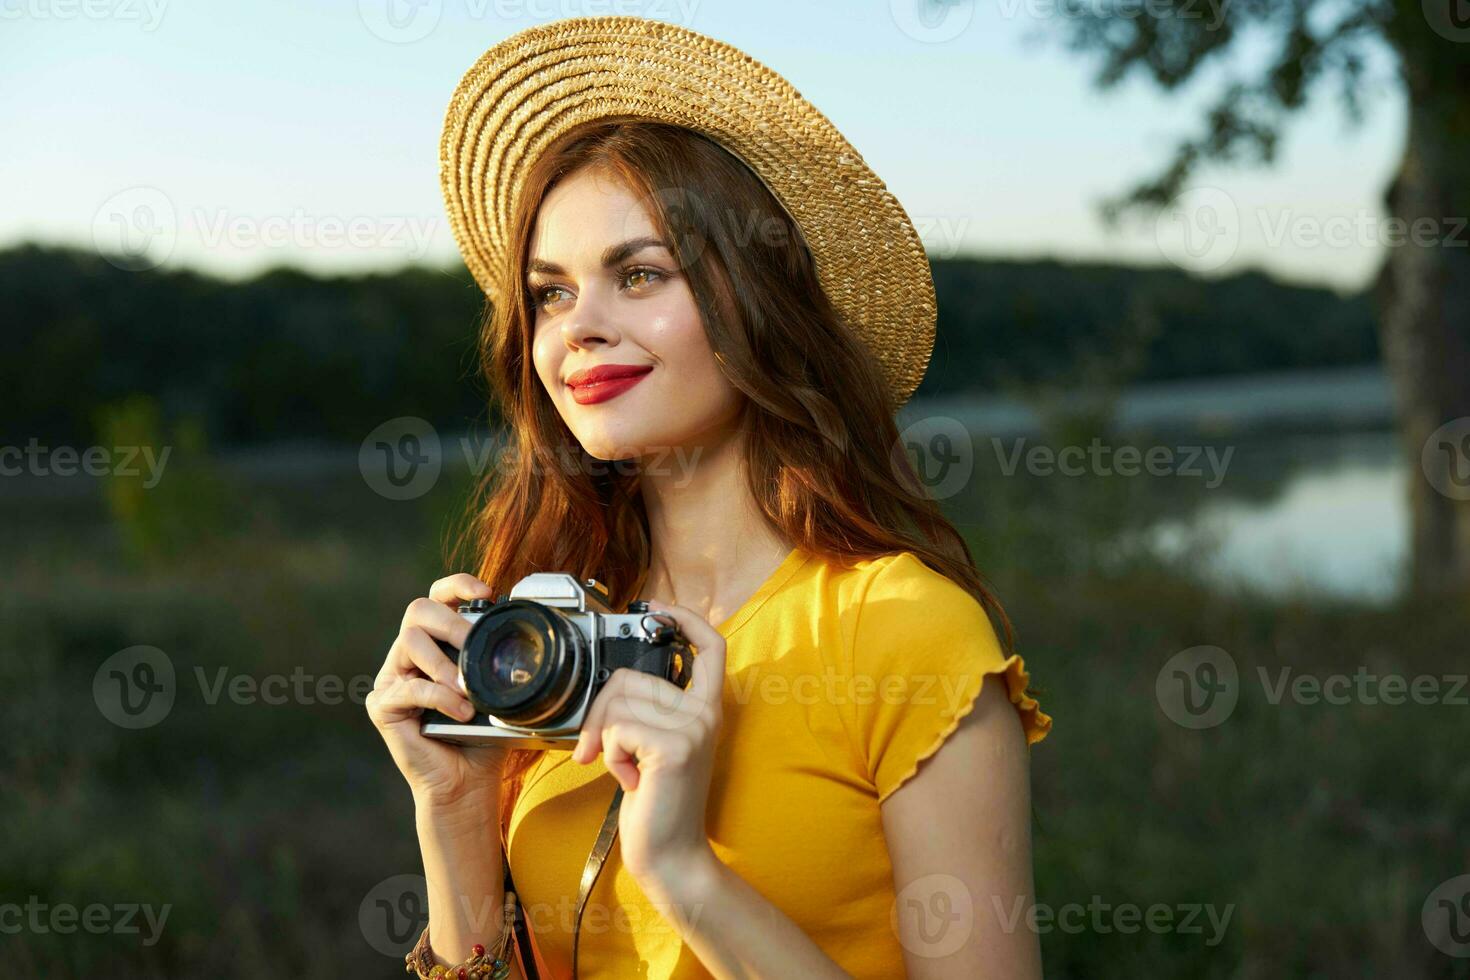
531, 88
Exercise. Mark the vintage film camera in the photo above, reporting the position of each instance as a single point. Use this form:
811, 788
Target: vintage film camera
535, 659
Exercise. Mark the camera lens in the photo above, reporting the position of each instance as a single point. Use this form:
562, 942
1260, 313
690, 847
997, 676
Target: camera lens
524, 663
516, 658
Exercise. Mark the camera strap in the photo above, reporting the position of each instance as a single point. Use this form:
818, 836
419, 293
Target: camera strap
522, 931
595, 860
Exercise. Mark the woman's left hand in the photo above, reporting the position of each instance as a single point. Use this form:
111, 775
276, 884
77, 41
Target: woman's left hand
659, 743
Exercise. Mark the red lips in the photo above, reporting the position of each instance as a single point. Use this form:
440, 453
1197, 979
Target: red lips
597, 384
606, 372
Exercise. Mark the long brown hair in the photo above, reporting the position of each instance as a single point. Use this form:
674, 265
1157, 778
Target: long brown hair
822, 446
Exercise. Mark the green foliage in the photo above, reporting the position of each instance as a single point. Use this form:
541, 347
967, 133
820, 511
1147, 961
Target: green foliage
289, 356
1054, 324
1307, 44
285, 355
164, 494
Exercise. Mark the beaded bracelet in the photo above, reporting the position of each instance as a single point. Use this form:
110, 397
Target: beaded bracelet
481, 965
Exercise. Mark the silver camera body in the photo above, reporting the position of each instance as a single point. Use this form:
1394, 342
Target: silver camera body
535, 659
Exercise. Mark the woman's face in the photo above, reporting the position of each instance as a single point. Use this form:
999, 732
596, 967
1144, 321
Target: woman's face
606, 294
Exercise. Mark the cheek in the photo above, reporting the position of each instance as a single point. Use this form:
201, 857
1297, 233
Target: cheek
546, 358
680, 343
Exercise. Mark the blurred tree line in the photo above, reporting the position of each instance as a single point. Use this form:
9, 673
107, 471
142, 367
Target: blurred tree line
280, 356
1300, 51
291, 355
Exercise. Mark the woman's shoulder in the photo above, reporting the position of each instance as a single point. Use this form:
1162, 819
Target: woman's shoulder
900, 584
888, 605
919, 646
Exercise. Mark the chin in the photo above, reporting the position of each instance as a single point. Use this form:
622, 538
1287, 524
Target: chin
636, 432
622, 444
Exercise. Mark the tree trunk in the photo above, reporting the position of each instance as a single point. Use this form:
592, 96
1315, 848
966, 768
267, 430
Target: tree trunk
1423, 295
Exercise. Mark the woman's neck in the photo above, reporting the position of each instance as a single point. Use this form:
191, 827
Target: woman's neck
711, 547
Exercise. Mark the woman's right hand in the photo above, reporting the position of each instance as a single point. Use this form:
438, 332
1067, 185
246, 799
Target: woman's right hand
416, 675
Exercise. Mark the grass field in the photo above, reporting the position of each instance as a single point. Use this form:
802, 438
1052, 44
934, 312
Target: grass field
1311, 833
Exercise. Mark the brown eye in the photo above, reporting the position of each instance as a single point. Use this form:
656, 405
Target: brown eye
653, 274
543, 296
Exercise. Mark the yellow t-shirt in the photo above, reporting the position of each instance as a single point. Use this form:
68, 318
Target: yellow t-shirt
839, 682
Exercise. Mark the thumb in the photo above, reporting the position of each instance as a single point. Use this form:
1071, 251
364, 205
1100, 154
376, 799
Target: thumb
707, 675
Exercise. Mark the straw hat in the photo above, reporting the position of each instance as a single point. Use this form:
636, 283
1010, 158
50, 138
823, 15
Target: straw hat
535, 85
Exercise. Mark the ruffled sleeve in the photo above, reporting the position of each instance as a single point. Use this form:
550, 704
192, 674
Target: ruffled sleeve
921, 649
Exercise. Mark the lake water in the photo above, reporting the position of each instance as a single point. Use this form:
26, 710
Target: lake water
1338, 522
1315, 497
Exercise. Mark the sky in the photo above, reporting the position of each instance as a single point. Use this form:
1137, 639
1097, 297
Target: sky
233, 137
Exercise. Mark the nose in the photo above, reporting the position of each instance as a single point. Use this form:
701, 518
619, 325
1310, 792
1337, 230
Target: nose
589, 324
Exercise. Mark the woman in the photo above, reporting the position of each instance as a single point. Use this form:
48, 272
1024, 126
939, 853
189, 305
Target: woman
705, 310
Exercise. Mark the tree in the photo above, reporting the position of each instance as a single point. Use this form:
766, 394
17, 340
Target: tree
1423, 289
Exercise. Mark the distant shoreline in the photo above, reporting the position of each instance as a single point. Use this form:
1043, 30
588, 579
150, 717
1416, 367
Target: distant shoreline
1350, 398
1278, 402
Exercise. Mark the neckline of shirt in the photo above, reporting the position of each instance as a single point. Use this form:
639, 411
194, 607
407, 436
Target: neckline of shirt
794, 559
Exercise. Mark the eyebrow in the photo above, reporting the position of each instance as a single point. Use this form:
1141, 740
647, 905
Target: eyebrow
611, 256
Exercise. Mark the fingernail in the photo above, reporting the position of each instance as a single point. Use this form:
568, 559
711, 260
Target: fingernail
466, 710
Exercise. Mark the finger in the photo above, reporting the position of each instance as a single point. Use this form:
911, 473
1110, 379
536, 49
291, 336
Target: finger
654, 701
408, 696
631, 749
438, 620
624, 743
634, 697
452, 589
589, 739
707, 678
628, 683
418, 649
